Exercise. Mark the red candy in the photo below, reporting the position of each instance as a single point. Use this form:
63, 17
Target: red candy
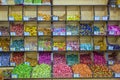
85, 58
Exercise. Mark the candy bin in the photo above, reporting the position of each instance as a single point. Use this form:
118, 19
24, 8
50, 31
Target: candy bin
30, 29
16, 29
17, 44
45, 58
85, 29
58, 58
113, 43
73, 43
44, 44
31, 57
22, 71
59, 44
99, 28
62, 71
4, 13
86, 43
83, 70
86, 58
100, 43
30, 13
44, 13
59, 29
5, 73
47, 2
99, 58
44, 28
73, 13
101, 71
59, 13
87, 13
17, 58
4, 59
4, 43
72, 58
72, 28
4, 29
30, 44
15, 13
28, 2
42, 71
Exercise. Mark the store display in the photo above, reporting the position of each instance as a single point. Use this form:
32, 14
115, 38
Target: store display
44, 17
82, 69
113, 30
41, 71
4, 59
85, 29
22, 71
59, 31
62, 71
85, 58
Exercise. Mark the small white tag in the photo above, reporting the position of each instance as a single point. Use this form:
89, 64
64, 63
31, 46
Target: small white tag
27, 63
21, 49
26, 18
62, 33
14, 76
76, 75
118, 6
110, 47
27, 49
11, 18
82, 49
41, 49
55, 18
113, 6
68, 33
26, 33
96, 32
12, 64
40, 33
111, 32
0, 33
97, 47
69, 48
104, 18
52, 57
12, 49
0, 64
117, 75
110, 62
55, 48
40, 18
97, 18
54, 33
12, 33
0, 48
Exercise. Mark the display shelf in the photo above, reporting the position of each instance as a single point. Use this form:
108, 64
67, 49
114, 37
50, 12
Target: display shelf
3, 13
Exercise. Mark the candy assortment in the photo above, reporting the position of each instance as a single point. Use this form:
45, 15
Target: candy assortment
115, 68
16, 17
6, 73
4, 30
85, 29
113, 30
44, 31
86, 58
41, 71
59, 31
45, 17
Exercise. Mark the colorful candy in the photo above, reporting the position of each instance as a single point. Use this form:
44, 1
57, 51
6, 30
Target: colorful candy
5, 59
82, 69
113, 29
41, 71
116, 68
44, 31
85, 29
59, 31
73, 45
17, 17
85, 58
45, 17
60, 46
86, 46
73, 17
4, 30
62, 71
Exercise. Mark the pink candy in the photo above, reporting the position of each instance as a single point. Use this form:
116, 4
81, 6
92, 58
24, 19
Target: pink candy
74, 45
62, 71
114, 30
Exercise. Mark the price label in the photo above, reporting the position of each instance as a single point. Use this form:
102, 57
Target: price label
0, 49
76, 75
97, 18
40, 18
40, 33
26, 18
21, 49
110, 47
82, 49
104, 18
14, 76
113, 5
0, 64
12, 64
26, 33
55, 48
110, 62
118, 6
12, 33
54, 33
117, 75
96, 33
97, 47
41, 49
62, 33
69, 33
69, 48
12, 49
27, 63
111, 32
27, 49
0, 33
11, 18
55, 18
